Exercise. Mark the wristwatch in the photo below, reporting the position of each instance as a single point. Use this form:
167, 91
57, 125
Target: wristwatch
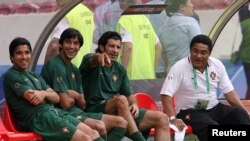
172, 118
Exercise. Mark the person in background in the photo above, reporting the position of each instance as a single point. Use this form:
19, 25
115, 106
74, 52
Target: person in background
80, 18
193, 82
244, 49
31, 99
103, 12
177, 31
141, 50
108, 90
65, 79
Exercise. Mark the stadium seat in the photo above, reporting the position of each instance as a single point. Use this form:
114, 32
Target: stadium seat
10, 125
47, 6
6, 135
27, 7
8, 8
146, 101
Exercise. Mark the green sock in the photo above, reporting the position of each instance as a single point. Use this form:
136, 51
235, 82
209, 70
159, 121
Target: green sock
99, 139
137, 136
104, 136
116, 134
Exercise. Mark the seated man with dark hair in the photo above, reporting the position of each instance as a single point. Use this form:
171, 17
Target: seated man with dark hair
193, 81
107, 89
31, 101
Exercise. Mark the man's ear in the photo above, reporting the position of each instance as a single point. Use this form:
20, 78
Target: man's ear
11, 59
101, 47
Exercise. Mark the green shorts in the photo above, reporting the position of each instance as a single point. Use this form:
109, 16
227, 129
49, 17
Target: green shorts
101, 108
54, 125
82, 115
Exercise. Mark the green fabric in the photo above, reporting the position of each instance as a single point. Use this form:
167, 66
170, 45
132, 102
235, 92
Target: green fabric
82, 19
142, 62
137, 136
99, 139
140, 116
116, 134
244, 50
15, 84
54, 125
60, 76
138, 121
63, 77
104, 137
99, 107
102, 83
51, 123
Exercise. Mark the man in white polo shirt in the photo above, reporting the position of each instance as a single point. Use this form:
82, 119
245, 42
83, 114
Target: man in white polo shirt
193, 81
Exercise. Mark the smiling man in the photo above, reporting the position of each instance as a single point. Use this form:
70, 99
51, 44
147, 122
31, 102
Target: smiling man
64, 77
193, 81
108, 90
31, 100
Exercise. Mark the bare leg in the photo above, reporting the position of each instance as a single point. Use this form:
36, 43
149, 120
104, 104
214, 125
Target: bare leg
112, 121
157, 120
120, 104
80, 136
97, 125
93, 134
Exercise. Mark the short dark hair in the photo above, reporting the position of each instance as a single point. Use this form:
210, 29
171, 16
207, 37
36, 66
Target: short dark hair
174, 6
70, 33
16, 42
204, 39
105, 37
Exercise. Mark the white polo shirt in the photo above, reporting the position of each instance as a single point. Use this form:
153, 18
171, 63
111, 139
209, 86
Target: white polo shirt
180, 82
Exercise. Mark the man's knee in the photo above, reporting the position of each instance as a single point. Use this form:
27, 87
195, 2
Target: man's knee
161, 118
100, 126
120, 101
121, 122
158, 119
96, 124
241, 114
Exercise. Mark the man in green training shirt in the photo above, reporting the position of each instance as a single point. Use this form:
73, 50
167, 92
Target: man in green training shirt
31, 99
80, 18
107, 90
65, 79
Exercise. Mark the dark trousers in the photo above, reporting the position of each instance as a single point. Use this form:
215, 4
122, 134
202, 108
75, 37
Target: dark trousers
220, 114
247, 73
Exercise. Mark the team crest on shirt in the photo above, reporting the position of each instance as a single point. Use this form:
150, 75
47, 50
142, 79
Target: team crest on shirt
212, 75
17, 85
73, 75
59, 79
79, 117
187, 117
35, 79
65, 130
114, 77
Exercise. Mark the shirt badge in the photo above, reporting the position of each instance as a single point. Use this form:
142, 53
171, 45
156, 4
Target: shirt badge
212, 75
73, 75
187, 117
35, 79
79, 117
17, 85
115, 77
59, 79
65, 130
